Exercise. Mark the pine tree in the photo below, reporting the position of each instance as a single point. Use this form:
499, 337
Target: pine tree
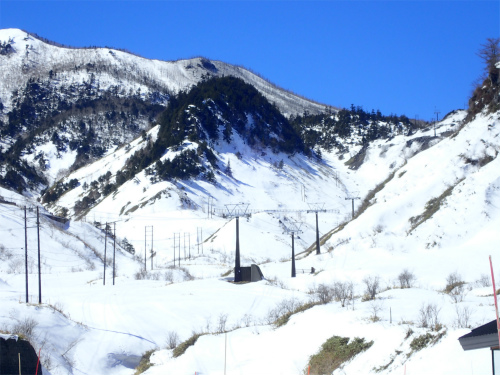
229, 171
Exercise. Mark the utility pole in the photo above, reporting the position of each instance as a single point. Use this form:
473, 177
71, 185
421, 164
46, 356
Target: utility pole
152, 252
147, 228
209, 207
237, 265
189, 245
114, 251
105, 247
353, 197
26, 250
294, 227
437, 113
174, 249
235, 211
179, 254
316, 207
198, 239
39, 263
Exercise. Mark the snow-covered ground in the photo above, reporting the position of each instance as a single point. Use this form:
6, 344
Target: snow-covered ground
90, 328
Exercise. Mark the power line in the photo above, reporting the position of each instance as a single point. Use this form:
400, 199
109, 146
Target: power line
224, 213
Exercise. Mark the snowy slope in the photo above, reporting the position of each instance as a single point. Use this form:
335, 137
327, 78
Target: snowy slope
122, 322
457, 238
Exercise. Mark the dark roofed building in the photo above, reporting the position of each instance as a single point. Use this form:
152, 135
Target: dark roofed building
485, 336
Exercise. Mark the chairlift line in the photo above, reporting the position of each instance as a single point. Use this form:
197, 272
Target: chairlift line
223, 213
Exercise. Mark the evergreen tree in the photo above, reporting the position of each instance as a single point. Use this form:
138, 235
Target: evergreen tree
228, 170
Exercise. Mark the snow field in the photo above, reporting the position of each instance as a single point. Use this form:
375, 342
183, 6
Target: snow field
136, 315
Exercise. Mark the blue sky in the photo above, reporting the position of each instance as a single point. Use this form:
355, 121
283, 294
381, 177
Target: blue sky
402, 57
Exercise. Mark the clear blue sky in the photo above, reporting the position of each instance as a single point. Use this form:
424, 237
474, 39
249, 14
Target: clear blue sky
402, 57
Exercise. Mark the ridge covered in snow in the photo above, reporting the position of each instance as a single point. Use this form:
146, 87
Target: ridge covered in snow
28, 57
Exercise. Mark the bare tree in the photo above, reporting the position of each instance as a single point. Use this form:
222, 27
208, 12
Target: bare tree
343, 291
406, 279
375, 308
429, 317
486, 88
490, 54
455, 287
25, 327
463, 316
484, 280
324, 293
453, 280
172, 340
221, 323
372, 284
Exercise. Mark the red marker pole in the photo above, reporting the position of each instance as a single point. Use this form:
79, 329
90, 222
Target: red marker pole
495, 297
38, 362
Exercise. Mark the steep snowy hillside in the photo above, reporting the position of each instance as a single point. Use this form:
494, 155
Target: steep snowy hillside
401, 228
78, 104
434, 219
442, 203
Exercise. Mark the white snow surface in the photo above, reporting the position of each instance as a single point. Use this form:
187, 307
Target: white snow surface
87, 327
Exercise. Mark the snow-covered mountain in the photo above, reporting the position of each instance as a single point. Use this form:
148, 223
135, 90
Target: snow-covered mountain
78, 104
428, 209
25, 56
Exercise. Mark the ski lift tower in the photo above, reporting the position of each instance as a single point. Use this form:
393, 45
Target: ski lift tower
292, 228
316, 207
236, 211
352, 197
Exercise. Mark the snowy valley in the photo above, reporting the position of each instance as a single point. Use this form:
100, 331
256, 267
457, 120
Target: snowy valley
407, 272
